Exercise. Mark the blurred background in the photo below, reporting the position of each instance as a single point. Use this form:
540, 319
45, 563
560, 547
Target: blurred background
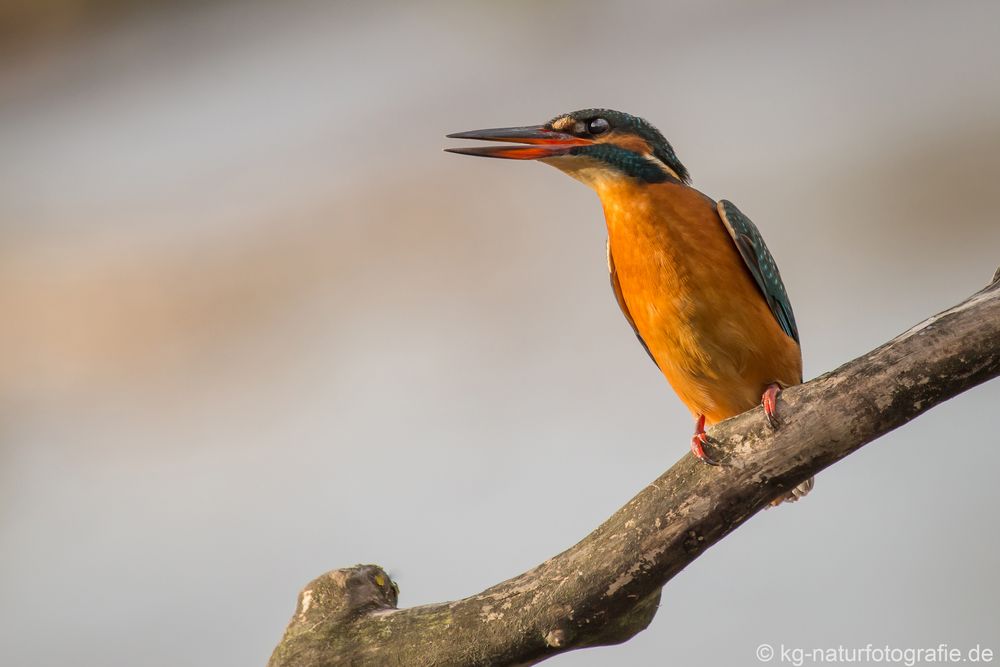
256, 325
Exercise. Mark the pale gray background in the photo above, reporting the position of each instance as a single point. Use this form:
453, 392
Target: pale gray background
256, 325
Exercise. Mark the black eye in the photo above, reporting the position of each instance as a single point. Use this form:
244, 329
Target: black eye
598, 126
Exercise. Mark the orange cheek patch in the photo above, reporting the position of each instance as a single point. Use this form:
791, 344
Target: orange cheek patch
629, 142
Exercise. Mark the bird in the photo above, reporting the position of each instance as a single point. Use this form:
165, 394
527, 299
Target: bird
692, 276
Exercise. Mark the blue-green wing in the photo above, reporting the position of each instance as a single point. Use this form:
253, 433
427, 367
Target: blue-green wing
761, 264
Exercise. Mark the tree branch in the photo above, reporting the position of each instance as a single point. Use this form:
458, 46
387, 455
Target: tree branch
606, 588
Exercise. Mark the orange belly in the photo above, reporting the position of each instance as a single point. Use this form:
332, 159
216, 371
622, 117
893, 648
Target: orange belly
693, 300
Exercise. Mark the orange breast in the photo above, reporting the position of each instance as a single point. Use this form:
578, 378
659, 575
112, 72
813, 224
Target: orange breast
693, 300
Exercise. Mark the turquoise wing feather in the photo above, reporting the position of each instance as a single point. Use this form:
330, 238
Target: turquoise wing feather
761, 264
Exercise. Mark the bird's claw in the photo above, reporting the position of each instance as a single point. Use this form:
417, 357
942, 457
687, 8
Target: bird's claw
698, 442
769, 401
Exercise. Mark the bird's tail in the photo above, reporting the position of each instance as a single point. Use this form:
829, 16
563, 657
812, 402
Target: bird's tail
799, 491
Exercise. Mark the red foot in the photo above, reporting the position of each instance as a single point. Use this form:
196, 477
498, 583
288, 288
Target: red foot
698, 442
770, 402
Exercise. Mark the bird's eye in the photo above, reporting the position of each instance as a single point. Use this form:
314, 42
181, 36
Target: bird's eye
598, 126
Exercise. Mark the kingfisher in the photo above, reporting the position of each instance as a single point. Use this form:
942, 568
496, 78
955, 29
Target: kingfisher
692, 276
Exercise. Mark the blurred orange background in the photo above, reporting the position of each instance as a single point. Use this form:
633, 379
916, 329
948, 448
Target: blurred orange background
257, 325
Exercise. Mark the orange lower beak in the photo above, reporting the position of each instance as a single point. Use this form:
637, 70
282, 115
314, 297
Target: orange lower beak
542, 141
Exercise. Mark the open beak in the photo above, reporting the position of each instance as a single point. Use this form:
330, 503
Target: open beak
542, 142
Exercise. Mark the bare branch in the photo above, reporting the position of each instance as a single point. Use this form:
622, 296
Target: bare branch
606, 588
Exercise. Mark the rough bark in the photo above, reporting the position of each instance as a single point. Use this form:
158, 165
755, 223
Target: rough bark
606, 588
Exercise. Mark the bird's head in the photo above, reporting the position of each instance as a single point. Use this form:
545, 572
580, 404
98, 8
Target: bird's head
594, 146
